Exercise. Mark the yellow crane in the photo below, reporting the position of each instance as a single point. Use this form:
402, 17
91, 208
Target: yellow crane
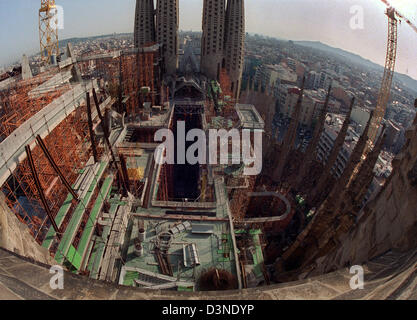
48, 30
384, 94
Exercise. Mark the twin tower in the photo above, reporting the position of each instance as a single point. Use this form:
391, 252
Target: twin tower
222, 43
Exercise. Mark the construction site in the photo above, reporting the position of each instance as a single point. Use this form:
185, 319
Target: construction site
79, 169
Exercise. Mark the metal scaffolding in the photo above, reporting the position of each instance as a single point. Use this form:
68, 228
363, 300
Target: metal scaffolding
68, 145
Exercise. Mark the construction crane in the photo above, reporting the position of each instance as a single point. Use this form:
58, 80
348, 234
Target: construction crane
384, 94
48, 30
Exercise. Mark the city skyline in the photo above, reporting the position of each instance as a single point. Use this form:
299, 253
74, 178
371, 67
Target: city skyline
333, 16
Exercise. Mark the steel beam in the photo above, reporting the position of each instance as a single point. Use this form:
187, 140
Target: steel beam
40, 190
90, 128
56, 168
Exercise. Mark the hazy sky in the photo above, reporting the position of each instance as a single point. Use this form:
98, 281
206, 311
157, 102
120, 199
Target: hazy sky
327, 21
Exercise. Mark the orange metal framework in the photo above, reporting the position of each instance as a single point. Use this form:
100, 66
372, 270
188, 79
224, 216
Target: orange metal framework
146, 73
130, 83
130, 72
240, 200
227, 96
68, 145
165, 183
18, 106
138, 71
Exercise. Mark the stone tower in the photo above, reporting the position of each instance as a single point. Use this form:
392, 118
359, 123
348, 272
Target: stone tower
167, 21
289, 139
317, 194
144, 23
234, 42
212, 42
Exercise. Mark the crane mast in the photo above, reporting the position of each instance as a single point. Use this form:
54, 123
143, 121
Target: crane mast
48, 31
384, 94
385, 91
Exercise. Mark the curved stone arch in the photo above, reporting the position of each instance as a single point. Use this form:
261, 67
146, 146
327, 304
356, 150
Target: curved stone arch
270, 219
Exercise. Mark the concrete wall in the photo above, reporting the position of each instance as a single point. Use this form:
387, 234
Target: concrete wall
391, 276
15, 236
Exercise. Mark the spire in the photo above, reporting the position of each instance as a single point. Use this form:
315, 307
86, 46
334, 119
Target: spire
76, 73
167, 23
335, 212
212, 40
144, 23
290, 136
316, 195
311, 151
353, 162
352, 199
333, 202
415, 118
234, 43
364, 178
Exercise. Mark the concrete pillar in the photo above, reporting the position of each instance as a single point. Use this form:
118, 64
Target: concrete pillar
26, 71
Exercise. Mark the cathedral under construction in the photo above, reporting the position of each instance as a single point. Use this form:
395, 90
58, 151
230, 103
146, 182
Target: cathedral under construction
82, 187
